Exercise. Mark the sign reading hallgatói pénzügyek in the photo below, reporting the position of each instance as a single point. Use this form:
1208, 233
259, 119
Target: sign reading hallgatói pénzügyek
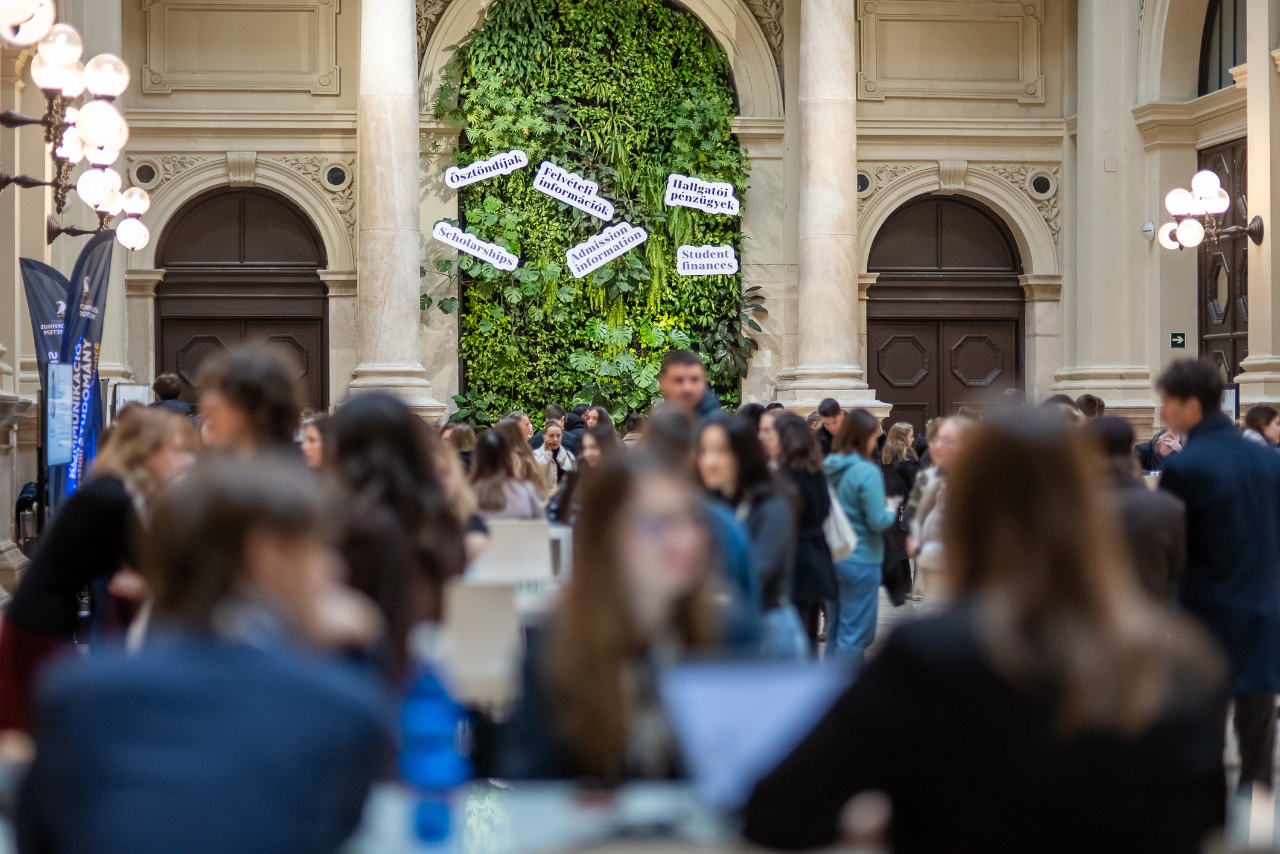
713, 197
472, 245
498, 164
572, 189
706, 261
602, 248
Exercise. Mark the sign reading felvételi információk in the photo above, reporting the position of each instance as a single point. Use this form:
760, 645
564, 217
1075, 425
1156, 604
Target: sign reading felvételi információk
499, 164
472, 245
613, 242
713, 197
706, 261
572, 189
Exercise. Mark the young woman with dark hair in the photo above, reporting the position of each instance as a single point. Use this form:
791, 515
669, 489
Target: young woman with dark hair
499, 493
1052, 707
523, 464
599, 442
402, 542
641, 594
248, 401
799, 459
733, 468
166, 749
899, 466
1262, 425
859, 486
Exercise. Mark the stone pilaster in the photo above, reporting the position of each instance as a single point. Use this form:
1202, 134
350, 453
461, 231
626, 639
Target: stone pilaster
389, 237
828, 304
140, 312
1260, 382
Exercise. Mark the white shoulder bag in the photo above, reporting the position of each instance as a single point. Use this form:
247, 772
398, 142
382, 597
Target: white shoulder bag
841, 538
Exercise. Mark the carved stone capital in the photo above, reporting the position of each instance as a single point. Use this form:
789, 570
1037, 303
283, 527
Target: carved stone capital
241, 166
142, 283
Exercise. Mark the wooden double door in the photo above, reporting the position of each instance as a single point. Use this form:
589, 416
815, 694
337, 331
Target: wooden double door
1223, 281
945, 316
241, 268
931, 368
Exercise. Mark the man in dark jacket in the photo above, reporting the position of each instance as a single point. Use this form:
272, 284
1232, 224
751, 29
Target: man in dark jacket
1152, 455
1231, 488
832, 416
168, 389
1155, 523
683, 383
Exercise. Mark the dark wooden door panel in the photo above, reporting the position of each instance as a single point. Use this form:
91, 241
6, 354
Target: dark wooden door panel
981, 360
903, 369
186, 343
1223, 286
301, 344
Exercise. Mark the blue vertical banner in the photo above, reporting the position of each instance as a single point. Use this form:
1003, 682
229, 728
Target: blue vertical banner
81, 347
47, 303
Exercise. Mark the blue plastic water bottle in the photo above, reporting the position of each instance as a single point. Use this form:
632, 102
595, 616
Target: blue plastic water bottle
430, 758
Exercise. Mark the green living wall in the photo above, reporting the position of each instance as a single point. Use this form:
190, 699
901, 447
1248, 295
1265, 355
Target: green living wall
623, 92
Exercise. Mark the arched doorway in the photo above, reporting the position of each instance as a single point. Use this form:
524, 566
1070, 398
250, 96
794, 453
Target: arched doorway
945, 316
241, 267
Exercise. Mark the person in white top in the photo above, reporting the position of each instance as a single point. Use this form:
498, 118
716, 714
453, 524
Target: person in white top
554, 460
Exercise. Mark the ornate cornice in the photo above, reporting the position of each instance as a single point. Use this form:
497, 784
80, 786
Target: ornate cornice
313, 168
429, 12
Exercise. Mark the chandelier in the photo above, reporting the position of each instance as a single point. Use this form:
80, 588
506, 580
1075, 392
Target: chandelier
1198, 214
76, 127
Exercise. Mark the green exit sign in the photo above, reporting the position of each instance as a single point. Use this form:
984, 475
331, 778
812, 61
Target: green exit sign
1178, 340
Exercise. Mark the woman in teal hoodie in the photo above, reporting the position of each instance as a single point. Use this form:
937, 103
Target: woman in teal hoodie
859, 485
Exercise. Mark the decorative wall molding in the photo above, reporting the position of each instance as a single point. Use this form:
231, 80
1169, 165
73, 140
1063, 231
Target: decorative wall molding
883, 175
951, 176
313, 169
222, 37
166, 168
768, 13
1020, 176
429, 12
1009, 67
241, 166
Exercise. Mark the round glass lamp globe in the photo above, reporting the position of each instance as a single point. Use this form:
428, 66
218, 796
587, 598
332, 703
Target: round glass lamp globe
136, 201
72, 114
1205, 183
49, 76
1218, 203
111, 199
115, 206
102, 126
1179, 202
101, 156
16, 11
1190, 233
1166, 238
74, 85
62, 45
33, 29
94, 187
132, 234
107, 76
72, 149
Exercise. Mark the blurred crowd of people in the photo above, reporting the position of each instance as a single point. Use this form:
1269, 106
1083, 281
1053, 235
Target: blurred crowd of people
214, 642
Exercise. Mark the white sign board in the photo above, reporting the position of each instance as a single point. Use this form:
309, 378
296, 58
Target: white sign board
498, 164
713, 197
472, 245
611, 243
57, 444
706, 261
572, 189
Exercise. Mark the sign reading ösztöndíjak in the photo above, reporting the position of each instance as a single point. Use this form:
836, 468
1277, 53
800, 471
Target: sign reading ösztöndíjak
706, 261
713, 197
472, 245
498, 164
572, 189
611, 243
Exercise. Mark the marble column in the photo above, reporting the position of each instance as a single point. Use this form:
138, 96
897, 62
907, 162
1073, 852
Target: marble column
387, 181
829, 322
1260, 382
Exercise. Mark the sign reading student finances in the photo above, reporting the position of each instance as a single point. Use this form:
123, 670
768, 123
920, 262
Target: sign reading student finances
82, 304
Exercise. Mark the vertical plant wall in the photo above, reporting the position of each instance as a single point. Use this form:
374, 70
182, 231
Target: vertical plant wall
623, 92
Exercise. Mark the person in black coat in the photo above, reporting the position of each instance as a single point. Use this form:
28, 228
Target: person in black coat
900, 467
1153, 454
1231, 488
800, 460
1051, 708
1155, 522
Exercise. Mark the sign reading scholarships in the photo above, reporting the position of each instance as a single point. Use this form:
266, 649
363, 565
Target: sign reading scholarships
713, 197
572, 189
498, 164
706, 261
613, 242
472, 245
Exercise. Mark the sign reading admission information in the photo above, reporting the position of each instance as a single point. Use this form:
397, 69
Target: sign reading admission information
611, 243
572, 189
472, 245
706, 261
498, 164
713, 197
